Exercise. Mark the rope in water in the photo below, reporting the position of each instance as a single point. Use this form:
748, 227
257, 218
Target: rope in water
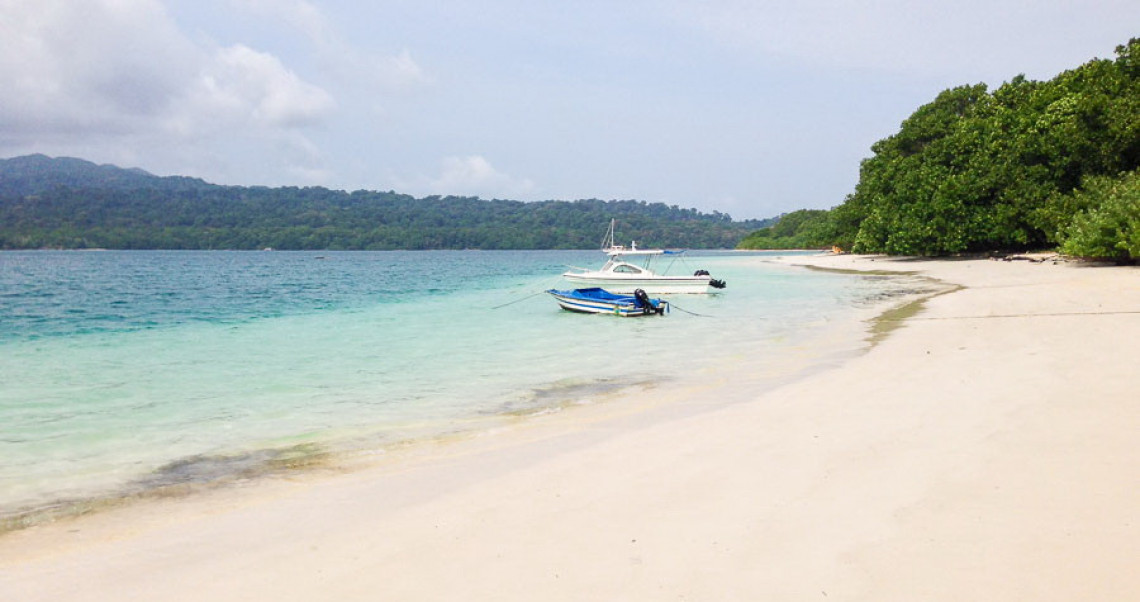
692, 313
518, 300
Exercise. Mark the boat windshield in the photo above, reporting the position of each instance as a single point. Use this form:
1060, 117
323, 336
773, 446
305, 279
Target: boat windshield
617, 266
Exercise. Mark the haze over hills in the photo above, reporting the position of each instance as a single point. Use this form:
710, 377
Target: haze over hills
72, 203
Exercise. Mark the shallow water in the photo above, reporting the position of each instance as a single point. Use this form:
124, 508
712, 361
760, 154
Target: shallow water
129, 371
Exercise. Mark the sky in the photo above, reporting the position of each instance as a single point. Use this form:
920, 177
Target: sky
751, 108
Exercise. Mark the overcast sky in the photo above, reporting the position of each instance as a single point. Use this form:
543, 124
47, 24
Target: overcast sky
751, 108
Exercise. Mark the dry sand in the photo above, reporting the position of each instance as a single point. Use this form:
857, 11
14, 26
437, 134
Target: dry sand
986, 450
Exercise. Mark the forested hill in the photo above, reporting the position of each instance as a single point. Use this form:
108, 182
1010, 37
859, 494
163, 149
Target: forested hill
72, 203
1029, 165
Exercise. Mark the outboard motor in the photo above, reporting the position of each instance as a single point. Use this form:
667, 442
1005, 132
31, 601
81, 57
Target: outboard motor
642, 300
713, 282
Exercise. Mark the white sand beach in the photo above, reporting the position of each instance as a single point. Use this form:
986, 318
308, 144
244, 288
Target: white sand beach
985, 450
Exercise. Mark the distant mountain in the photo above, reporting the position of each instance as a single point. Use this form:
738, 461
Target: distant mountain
34, 174
72, 203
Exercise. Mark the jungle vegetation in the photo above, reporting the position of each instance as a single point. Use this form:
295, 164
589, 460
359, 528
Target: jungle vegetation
75, 204
1031, 165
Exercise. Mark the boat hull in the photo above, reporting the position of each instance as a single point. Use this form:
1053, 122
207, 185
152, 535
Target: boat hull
598, 301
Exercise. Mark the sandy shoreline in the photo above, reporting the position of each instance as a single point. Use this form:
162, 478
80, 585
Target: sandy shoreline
985, 450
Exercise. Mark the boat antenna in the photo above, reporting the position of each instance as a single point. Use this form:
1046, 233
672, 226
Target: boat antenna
608, 241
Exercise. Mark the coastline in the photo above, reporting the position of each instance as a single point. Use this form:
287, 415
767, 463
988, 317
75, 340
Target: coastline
981, 450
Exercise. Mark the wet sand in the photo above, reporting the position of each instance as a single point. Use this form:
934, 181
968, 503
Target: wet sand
985, 449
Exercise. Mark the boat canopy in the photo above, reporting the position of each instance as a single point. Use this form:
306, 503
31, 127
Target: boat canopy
619, 251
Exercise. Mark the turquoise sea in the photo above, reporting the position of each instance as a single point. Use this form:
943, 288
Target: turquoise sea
129, 371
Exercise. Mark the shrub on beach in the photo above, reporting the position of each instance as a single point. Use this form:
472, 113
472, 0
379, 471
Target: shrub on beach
1109, 227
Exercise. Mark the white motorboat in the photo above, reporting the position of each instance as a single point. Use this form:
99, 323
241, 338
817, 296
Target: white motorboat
621, 274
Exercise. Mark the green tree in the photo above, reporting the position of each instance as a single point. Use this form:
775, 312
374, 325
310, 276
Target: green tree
975, 171
1110, 227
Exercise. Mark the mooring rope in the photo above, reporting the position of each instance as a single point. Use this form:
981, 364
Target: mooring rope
549, 285
692, 313
519, 300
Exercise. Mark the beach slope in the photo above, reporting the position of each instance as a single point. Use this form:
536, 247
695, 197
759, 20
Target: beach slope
985, 450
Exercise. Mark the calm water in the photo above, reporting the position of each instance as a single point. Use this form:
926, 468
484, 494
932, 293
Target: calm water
123, 371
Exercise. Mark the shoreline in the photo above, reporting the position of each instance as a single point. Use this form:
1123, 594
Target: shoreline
200, 473
982, 450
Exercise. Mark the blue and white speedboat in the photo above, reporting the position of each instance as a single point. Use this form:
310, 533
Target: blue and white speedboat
600, 301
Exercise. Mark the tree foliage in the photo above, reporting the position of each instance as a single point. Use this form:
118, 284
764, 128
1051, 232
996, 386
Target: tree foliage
803, 229
70, 203
1110, 226
1025, 166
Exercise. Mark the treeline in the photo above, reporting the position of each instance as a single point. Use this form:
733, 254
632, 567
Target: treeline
1030, 165
105, 207
803, 229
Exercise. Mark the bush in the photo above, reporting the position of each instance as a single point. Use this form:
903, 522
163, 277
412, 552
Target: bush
1110, 229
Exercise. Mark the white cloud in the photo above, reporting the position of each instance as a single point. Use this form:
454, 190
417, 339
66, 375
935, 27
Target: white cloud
87, 67
344, 60
401, 70
474, 175
257, 85
94, 77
